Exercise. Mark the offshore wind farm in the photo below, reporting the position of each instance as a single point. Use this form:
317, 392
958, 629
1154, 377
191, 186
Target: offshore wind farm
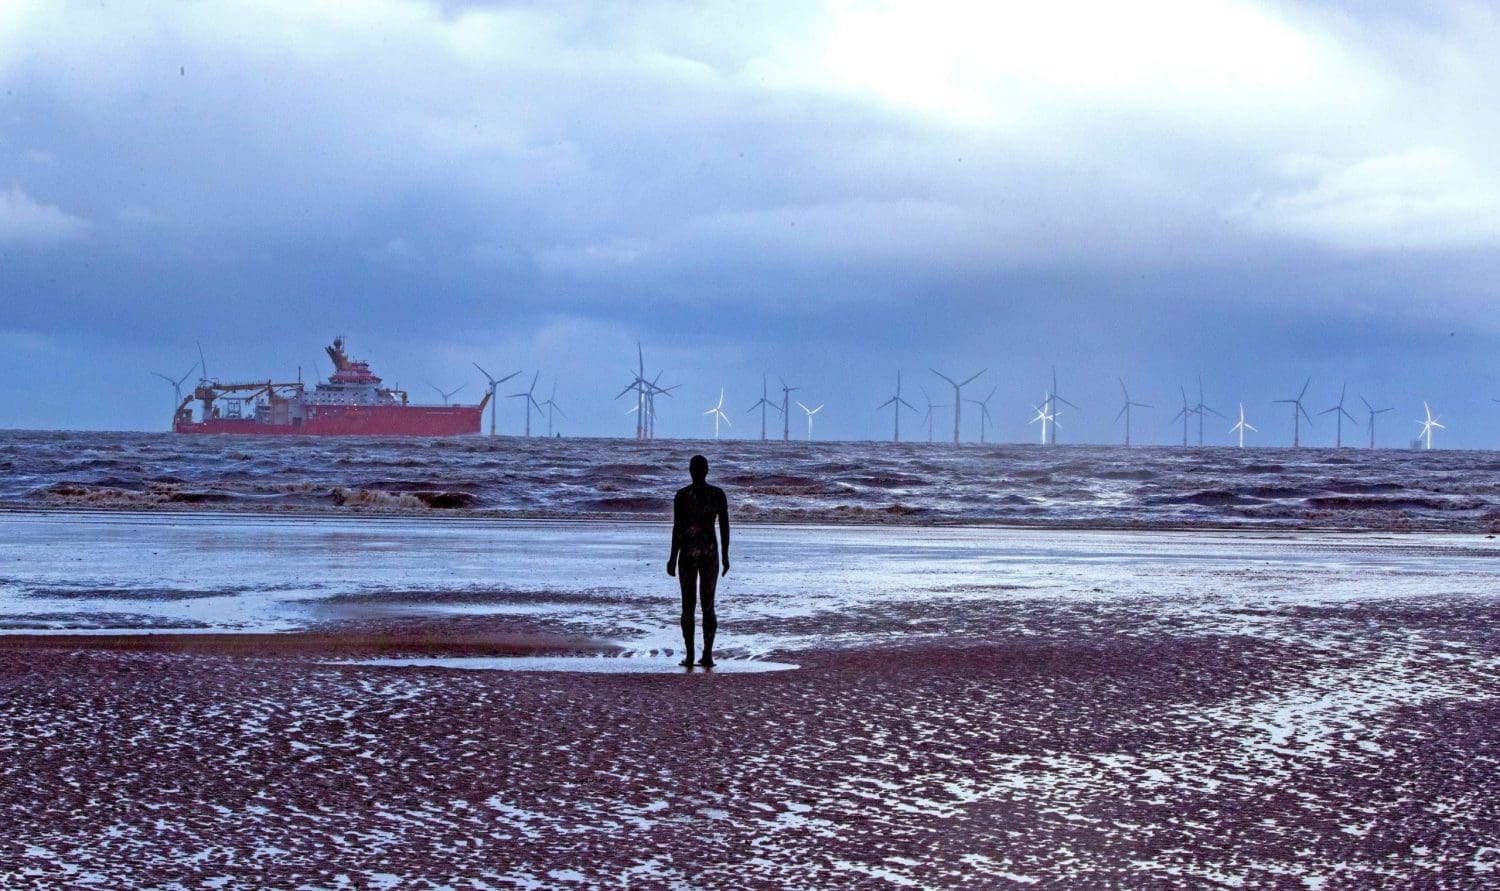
249, 402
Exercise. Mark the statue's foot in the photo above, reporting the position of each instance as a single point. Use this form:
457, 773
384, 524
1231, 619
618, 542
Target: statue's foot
707, 661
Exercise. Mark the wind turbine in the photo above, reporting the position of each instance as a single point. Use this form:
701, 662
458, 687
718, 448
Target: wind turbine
1429, 424
1125, 409
176, 387
494, 382
763, 403
1202, 409
1043, 415
550, 405
1242, 426
1052, 400
931, 413
529, 400
957, 397
1373, 412
786, 409
1339, 414
1298, 412
652, 390
448, 393
897, 402
984, 412
810, 413
718, 412
1185, 412
645, 397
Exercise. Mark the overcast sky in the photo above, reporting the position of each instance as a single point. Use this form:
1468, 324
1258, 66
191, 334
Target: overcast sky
1258, 192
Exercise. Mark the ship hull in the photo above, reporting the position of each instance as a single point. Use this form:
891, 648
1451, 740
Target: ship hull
354, 420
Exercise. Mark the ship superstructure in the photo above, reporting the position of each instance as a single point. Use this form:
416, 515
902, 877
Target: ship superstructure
352, 402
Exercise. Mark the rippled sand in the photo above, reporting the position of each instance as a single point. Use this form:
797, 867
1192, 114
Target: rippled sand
1099, 745
970, 708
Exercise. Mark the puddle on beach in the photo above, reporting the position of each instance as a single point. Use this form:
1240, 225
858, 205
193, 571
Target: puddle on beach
587, 664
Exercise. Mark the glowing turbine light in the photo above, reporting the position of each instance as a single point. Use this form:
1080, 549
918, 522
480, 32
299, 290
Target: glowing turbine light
810, 413
718, 412
1242, 426
1043, 414
1429, 425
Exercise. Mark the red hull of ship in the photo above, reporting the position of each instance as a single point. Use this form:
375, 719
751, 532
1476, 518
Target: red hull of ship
356, 420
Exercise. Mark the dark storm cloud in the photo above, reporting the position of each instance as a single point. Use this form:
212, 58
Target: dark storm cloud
1254, 191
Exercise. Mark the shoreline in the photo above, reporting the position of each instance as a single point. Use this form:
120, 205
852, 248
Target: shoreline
1267, 528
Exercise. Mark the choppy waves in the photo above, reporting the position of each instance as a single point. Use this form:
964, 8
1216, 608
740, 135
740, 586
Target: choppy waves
796, 482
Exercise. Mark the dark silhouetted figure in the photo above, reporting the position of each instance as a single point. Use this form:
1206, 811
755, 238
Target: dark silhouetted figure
696, 559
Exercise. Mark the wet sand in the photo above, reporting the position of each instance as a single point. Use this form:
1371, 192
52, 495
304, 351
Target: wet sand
1177, 741
970, 708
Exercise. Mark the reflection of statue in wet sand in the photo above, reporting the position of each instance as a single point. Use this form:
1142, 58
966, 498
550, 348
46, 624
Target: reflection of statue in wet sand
695, 556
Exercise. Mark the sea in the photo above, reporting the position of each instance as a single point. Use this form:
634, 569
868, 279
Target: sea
782, 482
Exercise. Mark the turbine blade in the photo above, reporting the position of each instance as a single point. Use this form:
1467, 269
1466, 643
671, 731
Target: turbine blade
943, 376
972, 379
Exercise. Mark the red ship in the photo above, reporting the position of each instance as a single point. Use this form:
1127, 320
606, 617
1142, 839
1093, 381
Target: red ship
350, 403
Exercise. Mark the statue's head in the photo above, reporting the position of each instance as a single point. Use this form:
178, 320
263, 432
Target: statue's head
698, 467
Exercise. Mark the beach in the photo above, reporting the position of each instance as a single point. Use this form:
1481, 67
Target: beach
967, 706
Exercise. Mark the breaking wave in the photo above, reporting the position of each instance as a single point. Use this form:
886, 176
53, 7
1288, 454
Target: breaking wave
776, 481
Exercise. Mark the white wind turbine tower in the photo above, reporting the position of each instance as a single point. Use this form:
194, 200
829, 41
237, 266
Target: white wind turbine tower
177, 388
1339, 414
810, 413
957, 397
931, 415
1185, 413
718, 412
1429, 424
763, 403
653, 390
448, 393
1242, 426
529, 400
1052, 400
1373, 412
1298, 413
494, 382
786, 409
984, 412
896, 401
1043, 415
647, 405
1125, 409
640, 385
550, 405
1202, 409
